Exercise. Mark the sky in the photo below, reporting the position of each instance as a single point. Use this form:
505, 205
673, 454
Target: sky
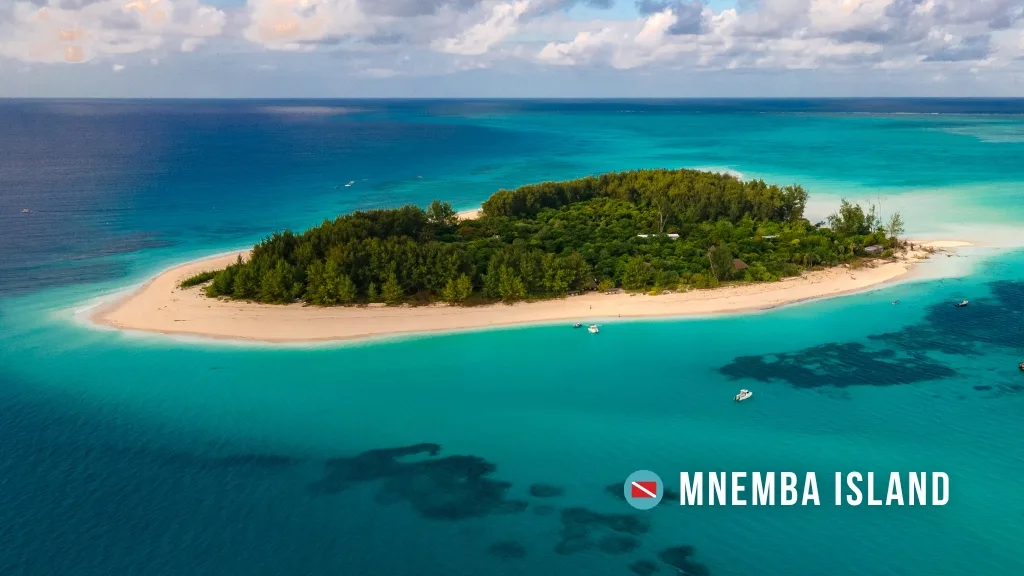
510, 48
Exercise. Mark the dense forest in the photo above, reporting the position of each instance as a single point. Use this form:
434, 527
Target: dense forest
649, 230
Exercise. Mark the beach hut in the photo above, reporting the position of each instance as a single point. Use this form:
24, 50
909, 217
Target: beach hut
739, 265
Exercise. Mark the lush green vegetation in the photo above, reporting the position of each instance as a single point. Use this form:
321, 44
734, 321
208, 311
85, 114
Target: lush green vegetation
550, 239
198, 279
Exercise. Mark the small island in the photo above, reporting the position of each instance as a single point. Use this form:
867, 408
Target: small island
637, 244
643, 230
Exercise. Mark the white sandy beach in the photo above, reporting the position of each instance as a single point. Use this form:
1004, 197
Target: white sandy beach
470, 214
161, 306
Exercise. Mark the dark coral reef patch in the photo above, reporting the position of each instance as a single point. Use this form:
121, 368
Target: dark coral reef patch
446, 488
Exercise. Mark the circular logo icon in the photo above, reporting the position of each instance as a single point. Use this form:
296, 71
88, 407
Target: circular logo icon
643, 490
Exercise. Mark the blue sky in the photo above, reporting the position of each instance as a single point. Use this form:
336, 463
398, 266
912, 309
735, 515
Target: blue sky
511, 48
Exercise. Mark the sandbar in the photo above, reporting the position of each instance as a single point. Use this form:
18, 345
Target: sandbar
160, 305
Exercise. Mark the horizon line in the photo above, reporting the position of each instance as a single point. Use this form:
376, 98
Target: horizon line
522, 98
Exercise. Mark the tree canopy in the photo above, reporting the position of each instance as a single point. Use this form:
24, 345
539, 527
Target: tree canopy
635, 230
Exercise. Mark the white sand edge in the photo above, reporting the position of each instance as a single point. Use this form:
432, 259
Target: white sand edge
470, 214
161, 306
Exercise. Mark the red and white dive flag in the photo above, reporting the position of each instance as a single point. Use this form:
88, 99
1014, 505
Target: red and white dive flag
644, 489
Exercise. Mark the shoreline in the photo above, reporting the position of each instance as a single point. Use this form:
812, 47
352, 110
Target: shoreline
160, 306
471, 214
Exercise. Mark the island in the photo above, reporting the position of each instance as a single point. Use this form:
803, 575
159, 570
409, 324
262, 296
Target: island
630, 244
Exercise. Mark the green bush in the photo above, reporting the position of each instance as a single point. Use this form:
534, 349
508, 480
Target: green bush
545, 240
197, 279
759, 273
457, 289
636, 274
391, 291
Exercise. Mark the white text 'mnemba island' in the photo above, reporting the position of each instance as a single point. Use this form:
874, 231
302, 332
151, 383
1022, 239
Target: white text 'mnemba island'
792, 489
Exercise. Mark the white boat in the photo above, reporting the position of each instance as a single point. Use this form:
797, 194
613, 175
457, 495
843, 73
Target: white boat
961, 304
593, 329
350, 183
25, 211
743, 395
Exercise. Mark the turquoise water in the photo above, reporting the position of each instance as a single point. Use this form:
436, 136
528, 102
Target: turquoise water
133, 454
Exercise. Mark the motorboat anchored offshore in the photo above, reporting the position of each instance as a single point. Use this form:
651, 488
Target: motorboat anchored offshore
961, 304
593, 329
743, 395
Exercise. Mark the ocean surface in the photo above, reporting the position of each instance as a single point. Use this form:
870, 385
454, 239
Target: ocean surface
499, 452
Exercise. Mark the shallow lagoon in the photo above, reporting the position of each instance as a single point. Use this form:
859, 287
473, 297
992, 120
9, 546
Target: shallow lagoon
141, 454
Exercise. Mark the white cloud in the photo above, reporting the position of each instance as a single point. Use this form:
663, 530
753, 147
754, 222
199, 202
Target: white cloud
379, 73
623, 46
478, 39
300, 24
580, 50
833, 16
51, 33
463, 27
801, 34
384, 38
779, 34
191, 43
458, 27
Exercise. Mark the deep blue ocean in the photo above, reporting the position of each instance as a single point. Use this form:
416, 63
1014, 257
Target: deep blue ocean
499, 452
